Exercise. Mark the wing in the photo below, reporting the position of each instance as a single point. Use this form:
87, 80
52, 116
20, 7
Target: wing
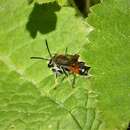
66, 59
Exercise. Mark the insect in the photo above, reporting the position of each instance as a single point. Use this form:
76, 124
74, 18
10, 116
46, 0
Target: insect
65, 64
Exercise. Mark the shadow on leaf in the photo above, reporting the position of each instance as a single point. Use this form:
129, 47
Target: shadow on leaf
42, 18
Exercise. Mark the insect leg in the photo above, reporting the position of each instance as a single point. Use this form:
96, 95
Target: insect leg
73, 82
64, 71
56, 75
66, 51
66, 74
56, 81
63, 78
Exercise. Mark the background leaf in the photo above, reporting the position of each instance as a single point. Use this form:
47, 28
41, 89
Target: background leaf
108, 53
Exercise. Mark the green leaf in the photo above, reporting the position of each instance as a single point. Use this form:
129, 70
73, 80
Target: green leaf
108, 53
28, 98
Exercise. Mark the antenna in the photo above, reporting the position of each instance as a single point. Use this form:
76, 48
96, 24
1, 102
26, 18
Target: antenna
48, 49
39, 58
42, 58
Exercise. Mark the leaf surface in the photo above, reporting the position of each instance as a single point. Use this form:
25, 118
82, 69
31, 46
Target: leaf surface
28, 98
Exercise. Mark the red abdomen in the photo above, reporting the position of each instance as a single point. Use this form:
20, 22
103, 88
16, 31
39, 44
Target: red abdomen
74, 69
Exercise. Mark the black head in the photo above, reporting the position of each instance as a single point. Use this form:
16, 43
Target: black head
51, 63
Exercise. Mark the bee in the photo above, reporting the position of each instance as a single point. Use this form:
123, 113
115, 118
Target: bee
65, 64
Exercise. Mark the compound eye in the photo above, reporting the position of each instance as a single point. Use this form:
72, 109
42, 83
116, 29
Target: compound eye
50, 65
